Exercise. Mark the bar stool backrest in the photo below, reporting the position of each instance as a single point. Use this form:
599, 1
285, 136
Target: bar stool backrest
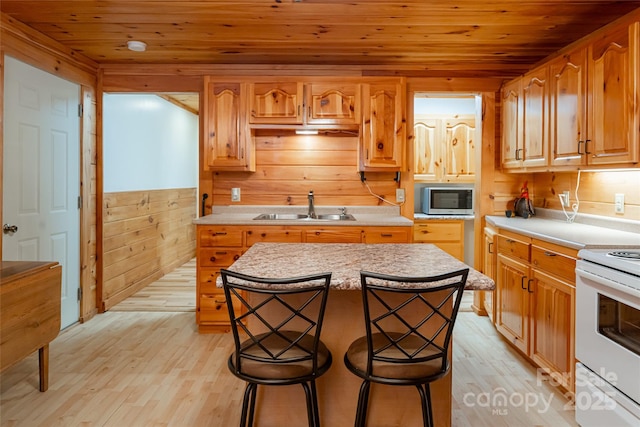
268, 325
410, 320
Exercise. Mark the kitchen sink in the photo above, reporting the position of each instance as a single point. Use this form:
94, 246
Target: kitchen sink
304, 217
336, 217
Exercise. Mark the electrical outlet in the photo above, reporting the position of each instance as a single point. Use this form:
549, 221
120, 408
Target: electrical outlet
565, 198
618, 202
399, 195
235, 194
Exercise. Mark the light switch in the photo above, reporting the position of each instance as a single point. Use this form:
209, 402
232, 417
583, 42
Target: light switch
618, 202
235, 194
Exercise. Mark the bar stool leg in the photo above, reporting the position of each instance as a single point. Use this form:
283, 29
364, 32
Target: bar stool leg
363, 402
316, 410
425, 399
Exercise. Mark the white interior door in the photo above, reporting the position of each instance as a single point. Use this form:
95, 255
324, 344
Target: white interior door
41, 182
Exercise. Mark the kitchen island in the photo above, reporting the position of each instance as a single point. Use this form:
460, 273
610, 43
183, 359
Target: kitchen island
338, 388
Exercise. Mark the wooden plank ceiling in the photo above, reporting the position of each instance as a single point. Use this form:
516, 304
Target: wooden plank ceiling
436, 37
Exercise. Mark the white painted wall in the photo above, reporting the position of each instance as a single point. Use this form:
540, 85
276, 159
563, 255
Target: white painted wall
434, 105
149, 144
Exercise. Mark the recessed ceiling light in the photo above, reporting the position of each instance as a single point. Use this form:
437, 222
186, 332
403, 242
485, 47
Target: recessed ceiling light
136, 46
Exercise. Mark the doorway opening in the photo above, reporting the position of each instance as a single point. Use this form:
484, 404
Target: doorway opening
150, 191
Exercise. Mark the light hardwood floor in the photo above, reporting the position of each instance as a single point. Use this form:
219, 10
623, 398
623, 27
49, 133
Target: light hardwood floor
175, 291
152, 368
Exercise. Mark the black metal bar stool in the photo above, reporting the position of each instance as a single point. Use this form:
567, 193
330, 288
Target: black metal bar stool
408, 322
280, 342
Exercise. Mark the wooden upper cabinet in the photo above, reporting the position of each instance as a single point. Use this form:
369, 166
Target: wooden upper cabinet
277, 102
568, 108
592, 116
460, 132
428, 153
383, 133
332, 103
444, 148
512, 148
613, 116
227, 144
535, 117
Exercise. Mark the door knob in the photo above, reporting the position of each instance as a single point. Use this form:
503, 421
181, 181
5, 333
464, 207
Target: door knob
9, 228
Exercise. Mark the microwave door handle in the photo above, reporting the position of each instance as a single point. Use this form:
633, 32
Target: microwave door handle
603, 282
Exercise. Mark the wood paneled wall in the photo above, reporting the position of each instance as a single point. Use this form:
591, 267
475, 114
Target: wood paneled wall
289, 166
595, 191
146, 235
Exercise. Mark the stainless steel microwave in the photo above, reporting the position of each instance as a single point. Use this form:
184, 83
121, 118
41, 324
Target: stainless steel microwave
447, 200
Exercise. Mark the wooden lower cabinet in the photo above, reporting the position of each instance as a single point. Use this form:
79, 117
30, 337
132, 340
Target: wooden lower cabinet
489, 260
219, 246
535, 303
512, 318
446, 234
552, 326
216, 247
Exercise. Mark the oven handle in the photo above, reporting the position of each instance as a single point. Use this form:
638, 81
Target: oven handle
609, 283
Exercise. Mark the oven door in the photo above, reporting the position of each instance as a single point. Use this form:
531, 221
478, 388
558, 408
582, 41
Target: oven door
607, 326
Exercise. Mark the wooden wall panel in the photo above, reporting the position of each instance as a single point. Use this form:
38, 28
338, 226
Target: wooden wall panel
146, 235
289, 166
595, 192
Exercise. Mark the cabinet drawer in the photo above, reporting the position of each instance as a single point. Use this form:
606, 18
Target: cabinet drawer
280, 236
513, 248
390, 236
213, 308
219, 236
207, 280
339, 235
221, 257
554, 263
437, 232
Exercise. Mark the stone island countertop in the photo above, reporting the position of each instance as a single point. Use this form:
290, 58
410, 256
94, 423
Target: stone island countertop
346, 260
388, 216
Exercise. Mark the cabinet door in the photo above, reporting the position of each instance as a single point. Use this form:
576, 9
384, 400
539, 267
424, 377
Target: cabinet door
511, 151
489, 269
552, 327
428, 154
228, 143
567, 122
613, 74
460, 148
512, 311
535, 117
276, 102
333, 103
383, 134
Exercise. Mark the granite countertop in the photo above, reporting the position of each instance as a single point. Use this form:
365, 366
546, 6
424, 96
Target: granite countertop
588, 233
346, 260
364, 216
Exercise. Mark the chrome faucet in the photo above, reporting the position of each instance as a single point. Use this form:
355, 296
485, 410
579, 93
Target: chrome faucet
312, 209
